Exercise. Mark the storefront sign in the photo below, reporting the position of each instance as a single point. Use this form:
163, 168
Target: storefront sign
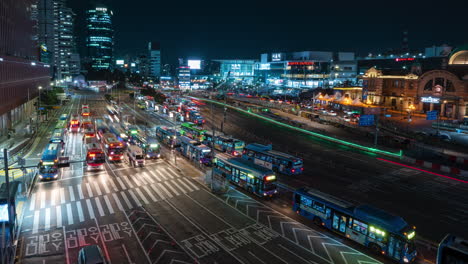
300, 63
434, 100
276, 57
404, 59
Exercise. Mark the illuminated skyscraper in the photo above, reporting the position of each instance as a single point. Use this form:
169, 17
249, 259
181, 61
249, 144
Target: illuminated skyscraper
100, 38
155, 59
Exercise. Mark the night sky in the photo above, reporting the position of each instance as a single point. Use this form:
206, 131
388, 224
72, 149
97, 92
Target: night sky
244, 29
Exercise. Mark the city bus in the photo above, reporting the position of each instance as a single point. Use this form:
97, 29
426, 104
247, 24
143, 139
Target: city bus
58, 137
167, 136
87, 123
372, 227
229, 145
101, 127
61, 124
49, 164
63, 117
113, 147
150, 146
452, 250
95, 157
195, 117
118, 131
75, 124
263, 155
247, 175
195, 151
192, 131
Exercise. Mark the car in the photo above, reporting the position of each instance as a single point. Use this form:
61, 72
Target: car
346, 118
91, 255
332, 113
348, 112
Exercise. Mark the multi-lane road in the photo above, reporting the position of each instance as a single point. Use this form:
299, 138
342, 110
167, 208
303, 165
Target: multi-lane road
162, 213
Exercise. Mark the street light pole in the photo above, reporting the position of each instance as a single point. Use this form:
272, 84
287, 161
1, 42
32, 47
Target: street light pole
7, 182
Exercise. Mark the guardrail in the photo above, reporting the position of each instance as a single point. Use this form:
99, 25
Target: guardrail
330, 139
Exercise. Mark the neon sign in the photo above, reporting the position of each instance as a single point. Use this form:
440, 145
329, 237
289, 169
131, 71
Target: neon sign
300, 63
404, 59
434, 100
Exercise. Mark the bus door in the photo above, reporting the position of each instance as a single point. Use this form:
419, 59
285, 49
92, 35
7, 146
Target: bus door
357, 231
394, 248
339, 221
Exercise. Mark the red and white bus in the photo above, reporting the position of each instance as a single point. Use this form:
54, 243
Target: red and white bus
113, 147
86, 122
95, 157
75, 124
85, 110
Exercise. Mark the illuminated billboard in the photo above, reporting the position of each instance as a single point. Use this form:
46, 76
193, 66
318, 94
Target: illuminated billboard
3, 213
120, 62
194, 64
276, 57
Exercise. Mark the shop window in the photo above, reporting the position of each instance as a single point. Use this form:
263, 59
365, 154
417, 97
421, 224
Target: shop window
449, 87
428, 86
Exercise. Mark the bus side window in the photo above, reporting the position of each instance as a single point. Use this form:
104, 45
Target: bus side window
350, 223
328, 213
297, 198
243, 176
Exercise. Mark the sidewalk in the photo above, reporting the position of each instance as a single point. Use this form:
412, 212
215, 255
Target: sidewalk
17, 141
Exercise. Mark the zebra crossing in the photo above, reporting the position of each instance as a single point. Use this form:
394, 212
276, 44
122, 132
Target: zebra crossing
68, 205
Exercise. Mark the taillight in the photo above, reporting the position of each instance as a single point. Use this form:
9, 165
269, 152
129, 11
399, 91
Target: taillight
302, 169
293, 170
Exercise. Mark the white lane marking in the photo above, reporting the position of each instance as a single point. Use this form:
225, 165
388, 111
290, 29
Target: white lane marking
128, 181
69, 214
96, 185
99, 206
255, 257
134, 197
141, 178
129, 204
140, 194
160, 175
104, 184
58, 215
109, 205
184, 184
80, 211
154, 175
90, 192
32, 202
113, 184
168, 173
135, 179
170, 187
80, 192
173, 172
62, 195
43, 199
72, 193
52, 198
147, 177
153, 186
117, 201
150, 193
121, 184
36, 221
190, 183
90, 209
165, 190
47, 219
177, 186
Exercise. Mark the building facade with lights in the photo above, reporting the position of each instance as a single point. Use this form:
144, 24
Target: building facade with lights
154, 55
183, 77
422, 88
21, 73
100, 38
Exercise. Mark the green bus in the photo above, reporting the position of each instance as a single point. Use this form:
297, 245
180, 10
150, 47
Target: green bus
192, 131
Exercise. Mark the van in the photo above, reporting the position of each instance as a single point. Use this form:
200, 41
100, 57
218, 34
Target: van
135, 155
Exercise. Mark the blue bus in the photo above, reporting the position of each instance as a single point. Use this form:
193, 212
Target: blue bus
452, 250
265, 156
251, 177
150, 146
167, 136
49, 164
374, 228
58, 136
195, 151
195, 117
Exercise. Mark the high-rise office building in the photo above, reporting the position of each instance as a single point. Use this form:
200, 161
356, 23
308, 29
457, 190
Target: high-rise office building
56, 38
154, 50
22, 75
100, 38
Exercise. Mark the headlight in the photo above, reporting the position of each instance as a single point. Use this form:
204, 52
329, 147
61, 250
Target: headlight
405, 259
148, 156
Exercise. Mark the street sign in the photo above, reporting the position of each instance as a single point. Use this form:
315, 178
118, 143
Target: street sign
41, 108
431, 115
366, 120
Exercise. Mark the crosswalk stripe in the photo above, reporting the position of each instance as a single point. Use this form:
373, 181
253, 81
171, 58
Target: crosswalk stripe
32, 202
62, 195
58, 215
172, 188
173, 172
104, 184
185, 185
166, 173
122, 185
43, 199
147, 177
80, 192
140, 194
35, 221
99, 206
80, 211
154, 175
165, 190
72, 193
128, 181
129, 204
90, 209
69, 214
109, 205
52, 198
47, 219
134, 197
117, 201
113, 184
142, 178
98, 189
155, 188
190, 183
177, 186
161, 175
135, 179
90, 192
150, 193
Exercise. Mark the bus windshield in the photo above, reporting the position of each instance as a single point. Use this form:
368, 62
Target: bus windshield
268, 186
48, 169
116, 151
95, 157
